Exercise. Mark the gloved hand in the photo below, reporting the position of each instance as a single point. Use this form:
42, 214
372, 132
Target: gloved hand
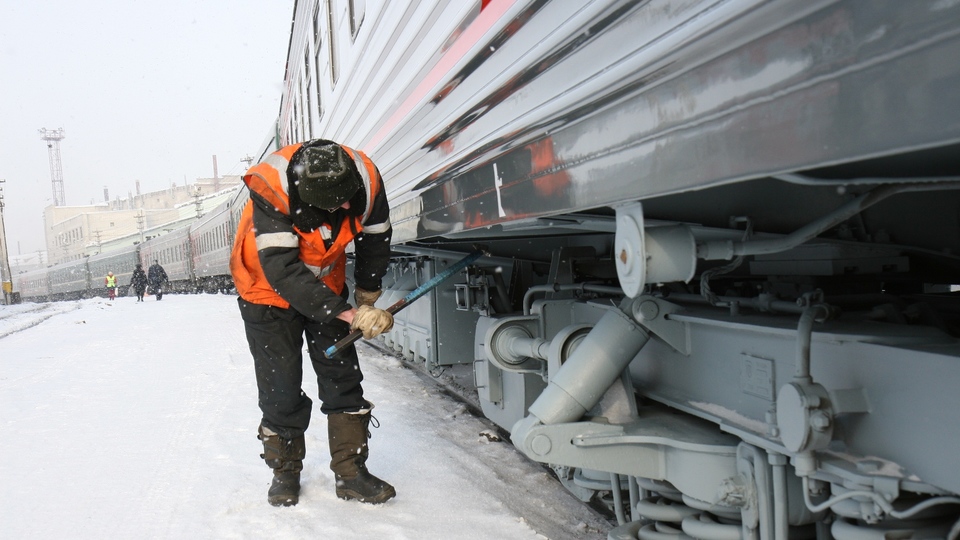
372, 321
365, 298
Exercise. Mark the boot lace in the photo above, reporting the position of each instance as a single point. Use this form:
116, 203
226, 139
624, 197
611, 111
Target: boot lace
373, 422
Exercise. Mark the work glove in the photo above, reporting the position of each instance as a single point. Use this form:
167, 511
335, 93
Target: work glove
372, 321
365, 298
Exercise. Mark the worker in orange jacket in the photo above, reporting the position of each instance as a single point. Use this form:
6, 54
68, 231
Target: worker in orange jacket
308, 203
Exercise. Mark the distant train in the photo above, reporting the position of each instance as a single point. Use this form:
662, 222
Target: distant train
722, 238
195, 257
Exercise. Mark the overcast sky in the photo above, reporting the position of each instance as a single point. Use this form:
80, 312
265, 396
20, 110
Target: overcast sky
144, 90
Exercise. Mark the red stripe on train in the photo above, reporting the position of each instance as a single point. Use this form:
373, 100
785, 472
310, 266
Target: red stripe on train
490, 12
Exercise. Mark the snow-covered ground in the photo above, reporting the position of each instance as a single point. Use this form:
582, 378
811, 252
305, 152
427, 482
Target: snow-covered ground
138, 420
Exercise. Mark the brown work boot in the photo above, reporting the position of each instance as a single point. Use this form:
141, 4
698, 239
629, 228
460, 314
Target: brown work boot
285, 457
348, 433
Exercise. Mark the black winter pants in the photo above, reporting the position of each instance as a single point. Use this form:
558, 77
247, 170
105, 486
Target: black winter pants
275, 337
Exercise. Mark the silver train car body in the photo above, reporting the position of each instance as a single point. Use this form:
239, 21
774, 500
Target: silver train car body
211, 240
196, 258
721, 242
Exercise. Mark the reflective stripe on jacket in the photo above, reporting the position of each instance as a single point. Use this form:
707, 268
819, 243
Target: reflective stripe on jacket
268, 179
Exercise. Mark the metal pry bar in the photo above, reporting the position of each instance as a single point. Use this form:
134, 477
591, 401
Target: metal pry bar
408, 299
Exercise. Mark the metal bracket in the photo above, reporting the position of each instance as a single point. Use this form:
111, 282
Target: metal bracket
654, 315
690, 454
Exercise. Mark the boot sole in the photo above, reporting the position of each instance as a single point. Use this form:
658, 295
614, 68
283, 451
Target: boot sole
283, 500
382, 497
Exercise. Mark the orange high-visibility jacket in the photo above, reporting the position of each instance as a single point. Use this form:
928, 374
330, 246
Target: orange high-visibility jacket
268, 179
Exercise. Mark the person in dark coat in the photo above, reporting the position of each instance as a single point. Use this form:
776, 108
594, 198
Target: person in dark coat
156, 278
139, 282
308, 203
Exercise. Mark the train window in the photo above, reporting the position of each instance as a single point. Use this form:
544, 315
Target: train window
316, 57
332, 47
357, 10
316, 26
296, 123
307, 91
303, 114
319, 92
305, 101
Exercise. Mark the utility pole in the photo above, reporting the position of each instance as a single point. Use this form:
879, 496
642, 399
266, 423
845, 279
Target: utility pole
140, 220
196, 201
53, 138
6, 278
216, 175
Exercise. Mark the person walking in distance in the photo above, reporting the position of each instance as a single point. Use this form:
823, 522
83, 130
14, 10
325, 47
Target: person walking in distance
111, 282
156, 278
139, 282
308, 202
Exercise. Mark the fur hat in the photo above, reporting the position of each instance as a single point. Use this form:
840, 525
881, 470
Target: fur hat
325, 175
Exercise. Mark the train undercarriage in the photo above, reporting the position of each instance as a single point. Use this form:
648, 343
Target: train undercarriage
765, 379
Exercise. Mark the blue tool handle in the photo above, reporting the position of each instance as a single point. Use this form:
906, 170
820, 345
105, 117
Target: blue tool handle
408, 299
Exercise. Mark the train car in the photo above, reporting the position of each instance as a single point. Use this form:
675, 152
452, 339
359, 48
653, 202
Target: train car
70, 281
211, 240
33, 286
121, 262
721, 237
173, 251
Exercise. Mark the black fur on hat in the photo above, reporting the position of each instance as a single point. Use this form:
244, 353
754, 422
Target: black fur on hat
325, 176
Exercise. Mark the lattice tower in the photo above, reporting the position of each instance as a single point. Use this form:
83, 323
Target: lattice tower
53, 138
